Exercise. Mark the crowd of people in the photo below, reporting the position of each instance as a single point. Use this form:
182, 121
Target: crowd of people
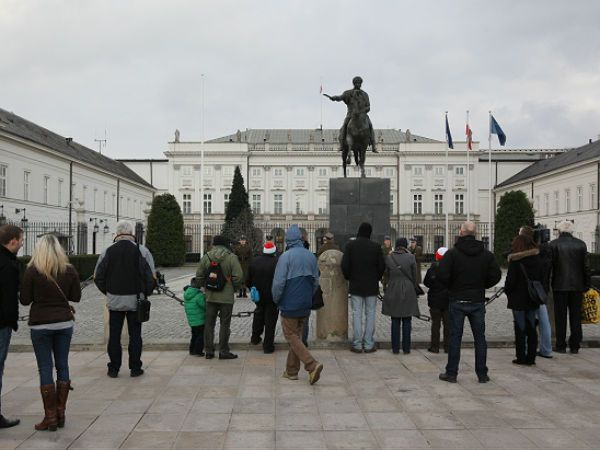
285, 285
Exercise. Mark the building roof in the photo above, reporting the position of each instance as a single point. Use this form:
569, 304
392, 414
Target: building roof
569, 157
17, 126
305, 136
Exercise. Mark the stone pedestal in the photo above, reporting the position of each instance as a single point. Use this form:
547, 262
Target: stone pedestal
356, 200
332, 319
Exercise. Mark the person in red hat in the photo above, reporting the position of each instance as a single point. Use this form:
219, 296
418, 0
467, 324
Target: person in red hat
260, 276
437, 300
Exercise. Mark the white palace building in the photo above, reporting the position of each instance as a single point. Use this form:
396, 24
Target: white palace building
287, 172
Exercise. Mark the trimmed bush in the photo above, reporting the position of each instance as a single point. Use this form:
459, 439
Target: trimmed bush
165, 237
84, 264
514, 211
239, 219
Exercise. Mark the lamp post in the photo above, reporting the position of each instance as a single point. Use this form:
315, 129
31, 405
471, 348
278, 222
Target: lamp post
2, 217
95, 230
24, 227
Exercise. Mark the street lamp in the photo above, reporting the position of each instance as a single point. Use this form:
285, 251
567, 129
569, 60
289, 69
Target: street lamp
2, 217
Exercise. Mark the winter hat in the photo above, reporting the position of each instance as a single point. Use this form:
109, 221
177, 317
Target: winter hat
401, 243
220, 240
269, 248
440, 253
329, 236
364, 230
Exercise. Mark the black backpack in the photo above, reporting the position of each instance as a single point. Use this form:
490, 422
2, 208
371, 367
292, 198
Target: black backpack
215, 278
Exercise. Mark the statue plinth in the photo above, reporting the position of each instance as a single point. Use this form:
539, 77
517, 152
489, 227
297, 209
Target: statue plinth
332, 319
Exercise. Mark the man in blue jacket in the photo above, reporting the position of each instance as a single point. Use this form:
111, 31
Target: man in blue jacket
296, 280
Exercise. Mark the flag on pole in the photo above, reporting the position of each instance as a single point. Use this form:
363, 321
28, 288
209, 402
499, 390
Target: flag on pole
495, 129
469, 133
321, 89
448, 134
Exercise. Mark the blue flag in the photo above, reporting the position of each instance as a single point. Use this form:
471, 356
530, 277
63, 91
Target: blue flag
449, 135
495, 129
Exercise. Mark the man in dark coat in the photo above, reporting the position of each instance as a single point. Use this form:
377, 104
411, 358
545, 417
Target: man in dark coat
363, 266
328, 244
11, 240
467, 270
418, 252
570, 279
260, 275
244, 253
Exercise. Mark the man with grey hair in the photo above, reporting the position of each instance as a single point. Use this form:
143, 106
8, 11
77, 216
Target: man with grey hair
124, 272
467, 270
570, 279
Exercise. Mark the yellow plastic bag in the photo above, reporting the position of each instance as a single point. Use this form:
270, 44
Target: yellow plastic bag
590, 307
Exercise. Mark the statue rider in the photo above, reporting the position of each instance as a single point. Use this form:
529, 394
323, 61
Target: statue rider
357, 101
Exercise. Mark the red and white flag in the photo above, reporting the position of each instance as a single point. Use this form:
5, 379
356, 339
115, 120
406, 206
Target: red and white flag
469, 133
321, 89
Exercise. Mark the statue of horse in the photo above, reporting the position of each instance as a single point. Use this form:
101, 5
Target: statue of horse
357, 139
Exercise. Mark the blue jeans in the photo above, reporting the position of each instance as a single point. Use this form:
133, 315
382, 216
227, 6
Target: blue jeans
5, 335
545, 331
47, 343
369, 305
406, 324
525, 335
475, 312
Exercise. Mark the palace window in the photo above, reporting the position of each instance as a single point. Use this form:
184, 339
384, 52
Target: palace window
438, 203
322, 171
579, 198
556, 203
388, 172
459, 203
46, 181
187, 203
546, 204
593, 196
418, 171
438, 171
299, 171
459, 171
299, 204
26, 185
3, 177
278, 172
225, 202
567, 200
207, 203
256, 172
278, 203
322, 202
417, 203
187, 171
60, 189
256, 203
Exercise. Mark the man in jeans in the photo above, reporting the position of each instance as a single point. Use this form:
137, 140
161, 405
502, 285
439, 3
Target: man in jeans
467, 270
121, 274
11, 240
363, 266
296, 280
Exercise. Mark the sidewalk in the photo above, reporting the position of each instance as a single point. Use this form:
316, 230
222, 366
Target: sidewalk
375, 401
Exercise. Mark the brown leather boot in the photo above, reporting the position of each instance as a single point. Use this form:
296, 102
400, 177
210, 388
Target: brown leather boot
62, 393
49, 398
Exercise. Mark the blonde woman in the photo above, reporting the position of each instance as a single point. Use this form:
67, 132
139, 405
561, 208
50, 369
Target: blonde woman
49, 284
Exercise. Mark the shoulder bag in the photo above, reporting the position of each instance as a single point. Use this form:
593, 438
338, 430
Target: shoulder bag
536, 290
143, 304
418, 289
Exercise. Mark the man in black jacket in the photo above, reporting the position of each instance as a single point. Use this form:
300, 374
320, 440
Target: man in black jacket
570, 278
467, 270
11, 240
260, 275
363, 266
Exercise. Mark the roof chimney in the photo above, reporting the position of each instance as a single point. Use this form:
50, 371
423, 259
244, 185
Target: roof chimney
70, 139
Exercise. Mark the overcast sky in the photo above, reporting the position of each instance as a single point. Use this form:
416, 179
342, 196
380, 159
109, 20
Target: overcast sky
134, 67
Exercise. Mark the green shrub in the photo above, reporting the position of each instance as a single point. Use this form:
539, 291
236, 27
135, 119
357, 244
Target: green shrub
165, 237
514, 211
84, 264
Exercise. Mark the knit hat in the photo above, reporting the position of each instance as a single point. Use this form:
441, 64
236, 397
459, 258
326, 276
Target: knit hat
401, 243
440, 253
329, 236
269, 248
220, 240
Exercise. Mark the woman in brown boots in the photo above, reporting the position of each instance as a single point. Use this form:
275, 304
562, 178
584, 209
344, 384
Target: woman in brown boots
49, 284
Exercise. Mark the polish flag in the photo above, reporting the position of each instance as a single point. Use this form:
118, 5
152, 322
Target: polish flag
469, 134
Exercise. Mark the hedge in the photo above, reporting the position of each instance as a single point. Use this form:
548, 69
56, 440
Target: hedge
84, 264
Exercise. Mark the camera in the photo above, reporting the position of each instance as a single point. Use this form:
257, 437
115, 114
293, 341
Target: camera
541, 234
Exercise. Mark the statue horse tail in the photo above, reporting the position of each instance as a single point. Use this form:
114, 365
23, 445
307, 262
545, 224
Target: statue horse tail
358, 138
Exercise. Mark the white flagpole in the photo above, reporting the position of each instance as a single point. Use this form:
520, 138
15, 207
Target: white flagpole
321, 95
490, 202
468, 175
447, 186
202, 173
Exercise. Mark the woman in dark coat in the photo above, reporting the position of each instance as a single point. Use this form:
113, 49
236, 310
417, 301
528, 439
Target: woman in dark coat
400, 298
524, 259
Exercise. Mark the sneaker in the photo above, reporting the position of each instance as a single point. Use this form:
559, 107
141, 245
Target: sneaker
433, 350
209, 356
136, 373
8, 423
574, 351
522, 363
483, 378
268, 350
288, 376
561, 350
449, 378
227, 355
112, 373
544, 356
255, 341
314, 376
370, 350
355, 350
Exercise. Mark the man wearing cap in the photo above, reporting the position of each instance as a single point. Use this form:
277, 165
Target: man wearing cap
386, 248
260, 275
418, 252
363, 266
244, 253
467, 270
219, 303
437, 300
328, 244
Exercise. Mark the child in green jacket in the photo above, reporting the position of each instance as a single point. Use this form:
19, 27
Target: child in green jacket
195, 306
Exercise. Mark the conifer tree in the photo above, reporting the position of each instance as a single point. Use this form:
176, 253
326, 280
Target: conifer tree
239, 219
514, 211
165, 236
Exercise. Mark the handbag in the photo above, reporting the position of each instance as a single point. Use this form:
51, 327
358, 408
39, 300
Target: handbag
317, 300
536, 290
590, 307
143, 304
418, 288
254, 294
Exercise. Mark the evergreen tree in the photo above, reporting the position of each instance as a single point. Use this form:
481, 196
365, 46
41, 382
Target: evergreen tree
165, 237
514, 211
239, 219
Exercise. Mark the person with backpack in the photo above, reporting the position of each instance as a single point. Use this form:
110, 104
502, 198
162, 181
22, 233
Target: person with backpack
194, 305
220, 273
125, 274
438, 301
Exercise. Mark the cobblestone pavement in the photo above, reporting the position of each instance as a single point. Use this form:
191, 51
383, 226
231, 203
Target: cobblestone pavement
374, 401
168, 323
